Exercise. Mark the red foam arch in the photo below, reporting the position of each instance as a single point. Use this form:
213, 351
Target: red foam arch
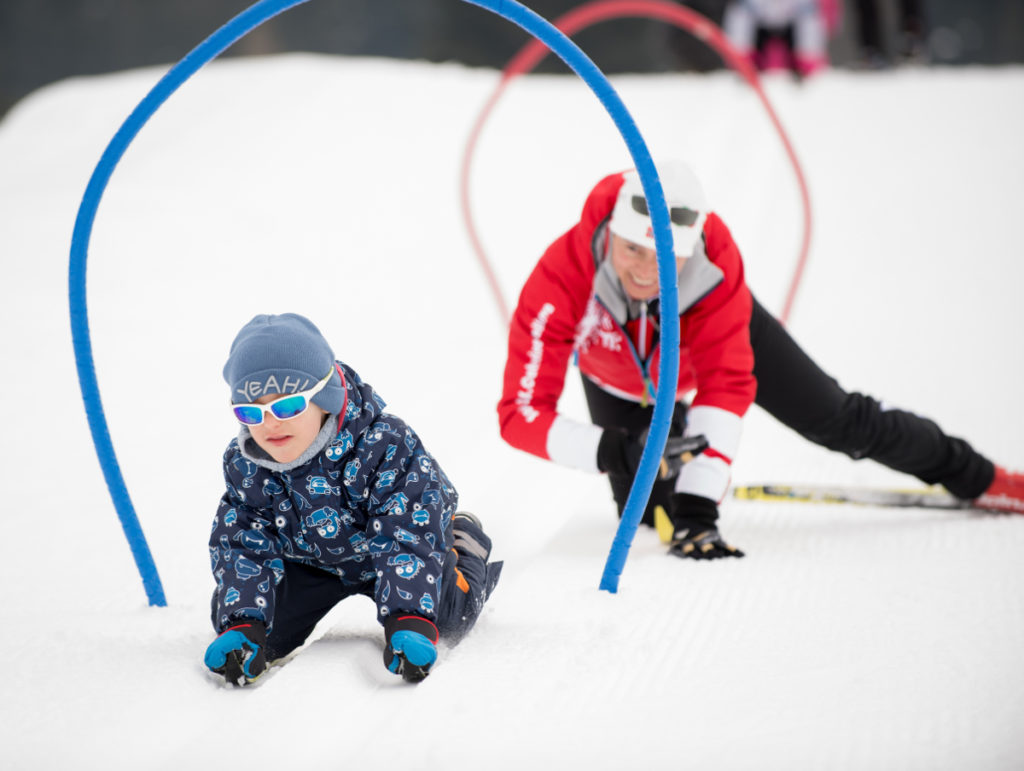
587, 15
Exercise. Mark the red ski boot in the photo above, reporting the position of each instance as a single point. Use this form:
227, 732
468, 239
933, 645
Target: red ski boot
1006, 493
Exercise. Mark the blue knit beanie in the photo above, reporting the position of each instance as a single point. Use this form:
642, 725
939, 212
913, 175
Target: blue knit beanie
282, 355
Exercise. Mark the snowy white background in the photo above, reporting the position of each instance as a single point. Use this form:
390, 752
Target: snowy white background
848, 638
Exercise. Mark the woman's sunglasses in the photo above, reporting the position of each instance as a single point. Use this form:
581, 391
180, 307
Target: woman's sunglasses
285, 408
680, 215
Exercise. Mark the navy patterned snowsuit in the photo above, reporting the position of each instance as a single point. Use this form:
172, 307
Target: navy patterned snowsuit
372, 507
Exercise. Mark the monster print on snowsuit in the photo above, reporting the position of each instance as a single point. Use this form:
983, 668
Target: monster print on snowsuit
370, 509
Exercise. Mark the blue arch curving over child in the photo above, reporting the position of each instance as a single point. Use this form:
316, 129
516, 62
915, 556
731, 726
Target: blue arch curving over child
206, 51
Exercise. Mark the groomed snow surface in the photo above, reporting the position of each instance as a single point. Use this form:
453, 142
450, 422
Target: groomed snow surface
848, 638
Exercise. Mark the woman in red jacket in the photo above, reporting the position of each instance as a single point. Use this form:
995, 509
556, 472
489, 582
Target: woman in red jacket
594, 295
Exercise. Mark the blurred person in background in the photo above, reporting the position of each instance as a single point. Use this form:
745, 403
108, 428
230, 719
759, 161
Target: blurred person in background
781, 34
910, 36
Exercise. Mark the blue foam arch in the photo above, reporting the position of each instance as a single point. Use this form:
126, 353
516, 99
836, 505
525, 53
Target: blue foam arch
209, 49
668, 368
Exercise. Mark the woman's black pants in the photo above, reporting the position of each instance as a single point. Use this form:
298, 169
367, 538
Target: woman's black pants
795, 391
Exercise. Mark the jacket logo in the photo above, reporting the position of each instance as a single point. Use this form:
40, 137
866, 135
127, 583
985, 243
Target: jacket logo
597, 326
528, 382
254, 389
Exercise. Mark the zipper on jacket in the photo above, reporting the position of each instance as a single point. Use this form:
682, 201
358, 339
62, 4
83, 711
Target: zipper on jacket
642, 349
642, 365
642, 337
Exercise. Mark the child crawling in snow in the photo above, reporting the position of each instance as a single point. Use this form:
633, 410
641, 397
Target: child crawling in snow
329, 496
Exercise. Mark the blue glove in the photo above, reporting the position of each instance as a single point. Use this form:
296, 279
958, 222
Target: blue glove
410, 649
239, 653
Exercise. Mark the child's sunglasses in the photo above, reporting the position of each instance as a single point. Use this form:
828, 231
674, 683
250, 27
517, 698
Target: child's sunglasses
285, 408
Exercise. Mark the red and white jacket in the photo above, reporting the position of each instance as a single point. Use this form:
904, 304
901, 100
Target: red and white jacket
573, 303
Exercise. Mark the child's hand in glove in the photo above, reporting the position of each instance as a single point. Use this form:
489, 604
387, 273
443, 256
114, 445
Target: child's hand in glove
239, 653
411, 647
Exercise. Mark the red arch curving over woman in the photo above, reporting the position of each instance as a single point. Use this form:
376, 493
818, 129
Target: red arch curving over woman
587, 15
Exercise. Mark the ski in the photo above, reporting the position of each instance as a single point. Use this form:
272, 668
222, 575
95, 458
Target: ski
923, 498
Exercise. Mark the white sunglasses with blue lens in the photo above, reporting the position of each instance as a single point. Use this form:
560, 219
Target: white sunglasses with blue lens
285, 408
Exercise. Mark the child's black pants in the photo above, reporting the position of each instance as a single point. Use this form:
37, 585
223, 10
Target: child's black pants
306, 594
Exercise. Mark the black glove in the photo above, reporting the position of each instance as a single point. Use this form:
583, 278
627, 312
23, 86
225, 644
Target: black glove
410, 648
696, 534
239, 653
619, 453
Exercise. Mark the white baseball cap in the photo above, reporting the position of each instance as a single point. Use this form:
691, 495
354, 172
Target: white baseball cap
688, 208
